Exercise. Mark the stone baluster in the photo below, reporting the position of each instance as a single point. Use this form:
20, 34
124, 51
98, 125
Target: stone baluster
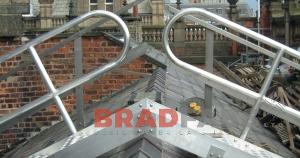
200, 34
204, 33
186, 34
171, 35
197, 33
143, 35
159, 35
189, 34
154, 35
194, 34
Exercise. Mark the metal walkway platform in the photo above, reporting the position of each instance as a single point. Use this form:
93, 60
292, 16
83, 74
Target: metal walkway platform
197, 139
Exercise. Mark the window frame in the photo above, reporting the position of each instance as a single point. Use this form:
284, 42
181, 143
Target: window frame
93, 4
219, 11
109, 3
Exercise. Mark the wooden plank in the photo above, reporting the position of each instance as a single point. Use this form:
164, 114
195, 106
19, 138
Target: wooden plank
284, 99
295, 101
229, 74
293, 92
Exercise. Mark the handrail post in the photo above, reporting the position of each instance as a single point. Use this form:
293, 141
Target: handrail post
209, 61
52, 89
262, 93
79, 89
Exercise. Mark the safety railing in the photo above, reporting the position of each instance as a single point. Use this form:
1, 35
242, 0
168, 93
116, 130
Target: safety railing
259, 100
54, 93
76, 35
40, 103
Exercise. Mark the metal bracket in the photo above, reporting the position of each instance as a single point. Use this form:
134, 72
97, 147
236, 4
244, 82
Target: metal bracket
215, 152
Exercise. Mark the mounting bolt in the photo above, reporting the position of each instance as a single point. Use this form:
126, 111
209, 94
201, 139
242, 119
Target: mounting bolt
139, 130
140, 105
219, 156
151, 130
211, 154
189, 132
151, 105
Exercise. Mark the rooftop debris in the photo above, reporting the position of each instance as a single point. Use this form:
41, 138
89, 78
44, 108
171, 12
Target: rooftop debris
285, 88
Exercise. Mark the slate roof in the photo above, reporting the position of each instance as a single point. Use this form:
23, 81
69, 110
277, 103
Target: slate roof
174, 87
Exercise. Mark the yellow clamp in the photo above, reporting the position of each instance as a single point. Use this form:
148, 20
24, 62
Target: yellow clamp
195, 107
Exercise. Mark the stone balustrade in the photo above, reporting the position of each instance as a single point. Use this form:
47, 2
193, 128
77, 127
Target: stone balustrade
146, 19
58, 21
31, 23
152, 34
147, 33
34, 23
198, 33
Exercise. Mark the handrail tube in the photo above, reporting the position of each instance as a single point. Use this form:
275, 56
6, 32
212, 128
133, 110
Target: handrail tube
238, 39
247, 32
250, 97
69, 39
5, 120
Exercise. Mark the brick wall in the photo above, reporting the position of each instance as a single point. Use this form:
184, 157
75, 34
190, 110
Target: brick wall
27, 85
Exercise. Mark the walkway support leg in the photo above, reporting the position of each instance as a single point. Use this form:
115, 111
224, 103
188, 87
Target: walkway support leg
262, 93
209, 66
52, 89
79, 89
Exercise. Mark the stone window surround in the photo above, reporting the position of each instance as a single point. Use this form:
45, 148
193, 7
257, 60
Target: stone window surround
31, 14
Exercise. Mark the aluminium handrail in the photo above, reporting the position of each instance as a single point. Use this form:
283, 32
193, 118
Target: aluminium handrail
236, 38
250, 97
47, 51
7, 120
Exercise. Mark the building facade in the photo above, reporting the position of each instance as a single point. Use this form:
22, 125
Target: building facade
43, 15
10, 16
283, 19
221, 7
